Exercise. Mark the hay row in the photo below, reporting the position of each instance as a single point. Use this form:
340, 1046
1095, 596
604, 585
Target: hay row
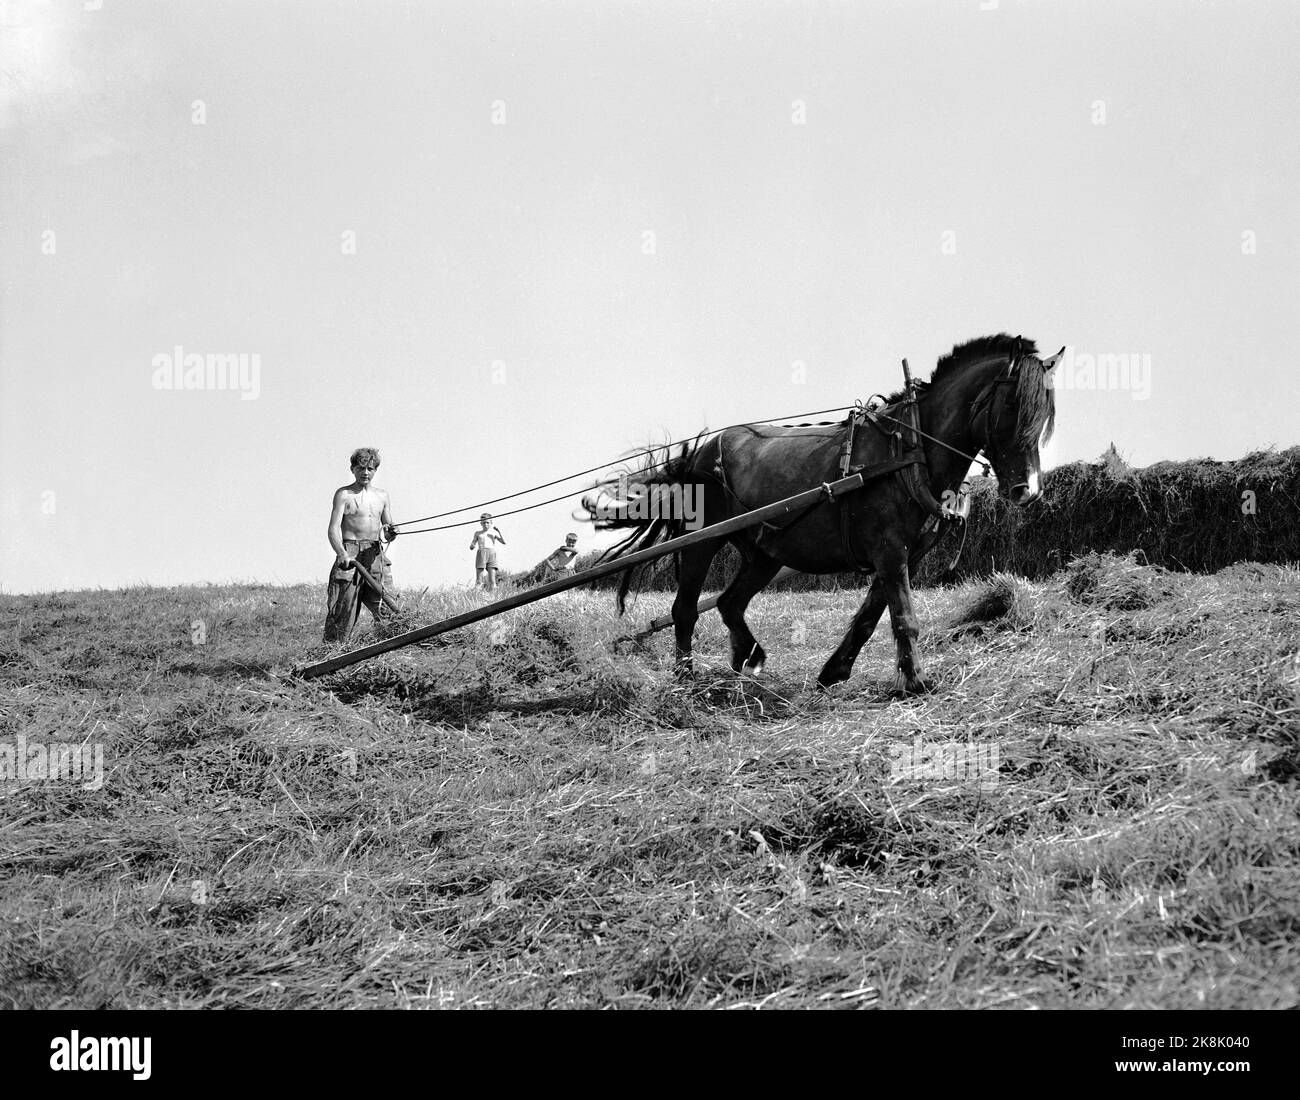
1197, 516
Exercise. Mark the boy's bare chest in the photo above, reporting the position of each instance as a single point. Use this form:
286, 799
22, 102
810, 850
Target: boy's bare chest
368, 502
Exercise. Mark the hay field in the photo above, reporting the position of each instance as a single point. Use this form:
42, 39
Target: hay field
522, 818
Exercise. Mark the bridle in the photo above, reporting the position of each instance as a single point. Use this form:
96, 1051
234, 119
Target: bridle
981, 406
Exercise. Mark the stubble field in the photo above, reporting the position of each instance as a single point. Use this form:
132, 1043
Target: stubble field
522, 817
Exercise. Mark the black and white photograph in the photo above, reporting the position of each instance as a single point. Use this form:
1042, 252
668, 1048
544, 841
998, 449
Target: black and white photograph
779, 505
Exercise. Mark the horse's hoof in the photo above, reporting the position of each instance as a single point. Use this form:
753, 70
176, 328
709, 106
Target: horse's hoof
831, 675
753, 666
915, 686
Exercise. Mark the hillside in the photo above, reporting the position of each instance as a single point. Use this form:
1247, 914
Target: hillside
523, 818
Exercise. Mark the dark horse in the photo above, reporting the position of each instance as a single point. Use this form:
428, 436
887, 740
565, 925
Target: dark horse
991, 394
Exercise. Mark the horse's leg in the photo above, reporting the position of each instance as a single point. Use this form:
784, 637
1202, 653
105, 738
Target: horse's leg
903, 617
746, 654
840, 663
692, 568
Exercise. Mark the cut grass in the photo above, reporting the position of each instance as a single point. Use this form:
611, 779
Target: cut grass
524, 818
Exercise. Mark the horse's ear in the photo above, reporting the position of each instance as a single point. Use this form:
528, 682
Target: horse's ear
1050, 363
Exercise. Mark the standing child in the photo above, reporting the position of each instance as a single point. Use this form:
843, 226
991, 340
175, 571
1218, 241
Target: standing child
359, 515
485, 556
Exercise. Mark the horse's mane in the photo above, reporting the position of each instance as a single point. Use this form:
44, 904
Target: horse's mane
982, 347
1035, 402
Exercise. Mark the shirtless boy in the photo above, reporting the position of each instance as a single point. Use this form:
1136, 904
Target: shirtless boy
562, 559
361, 513
485, 556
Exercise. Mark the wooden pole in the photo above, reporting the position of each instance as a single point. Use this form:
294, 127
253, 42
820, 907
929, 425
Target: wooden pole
705, 605
376, 586
717, 530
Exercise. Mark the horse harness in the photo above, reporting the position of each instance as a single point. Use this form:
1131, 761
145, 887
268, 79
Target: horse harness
907, 458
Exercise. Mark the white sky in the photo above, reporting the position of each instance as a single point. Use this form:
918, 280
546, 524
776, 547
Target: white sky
524, 244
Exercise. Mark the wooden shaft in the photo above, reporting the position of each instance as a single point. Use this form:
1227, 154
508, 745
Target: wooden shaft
605, 569
376, 586
707, 605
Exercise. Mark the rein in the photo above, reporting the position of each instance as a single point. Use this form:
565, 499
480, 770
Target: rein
569, 477
872, 415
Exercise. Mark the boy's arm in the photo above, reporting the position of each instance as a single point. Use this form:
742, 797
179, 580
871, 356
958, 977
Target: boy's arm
335, 530
500, 537
386, 518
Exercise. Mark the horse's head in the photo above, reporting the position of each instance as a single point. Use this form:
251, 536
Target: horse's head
1011, 417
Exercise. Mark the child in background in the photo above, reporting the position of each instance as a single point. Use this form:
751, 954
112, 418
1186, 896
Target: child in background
485, 553
561, 560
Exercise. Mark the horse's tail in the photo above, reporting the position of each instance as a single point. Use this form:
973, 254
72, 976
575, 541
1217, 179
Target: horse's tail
619, 503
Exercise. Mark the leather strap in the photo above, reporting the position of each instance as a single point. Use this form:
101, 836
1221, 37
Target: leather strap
918, 485
912, 466
880, 469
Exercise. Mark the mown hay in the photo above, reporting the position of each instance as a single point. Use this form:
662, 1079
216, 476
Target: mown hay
556, 654
1195, 516
490, 824
1115, 583
1002, 602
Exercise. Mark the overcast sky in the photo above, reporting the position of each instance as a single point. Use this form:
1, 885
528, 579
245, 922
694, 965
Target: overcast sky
501, 242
